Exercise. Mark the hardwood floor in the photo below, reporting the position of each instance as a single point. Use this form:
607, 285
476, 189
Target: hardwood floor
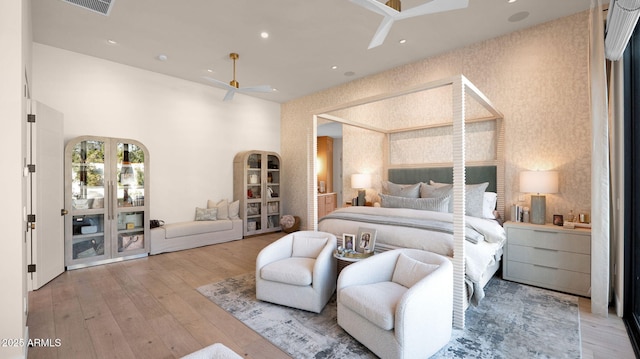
149, 308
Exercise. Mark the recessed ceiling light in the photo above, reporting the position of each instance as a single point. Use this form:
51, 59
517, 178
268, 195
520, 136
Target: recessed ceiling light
162, 57
209, 70
511, 1
264, 34
111, 42
403, 41
334, 67
274, 89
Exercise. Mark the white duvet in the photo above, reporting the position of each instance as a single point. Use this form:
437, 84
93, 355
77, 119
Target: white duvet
477, 256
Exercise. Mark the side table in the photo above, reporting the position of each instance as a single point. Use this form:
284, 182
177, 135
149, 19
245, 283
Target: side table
344, 261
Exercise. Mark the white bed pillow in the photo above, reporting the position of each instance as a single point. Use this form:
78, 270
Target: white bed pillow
489, 205
474, 195
440, 204
401, 190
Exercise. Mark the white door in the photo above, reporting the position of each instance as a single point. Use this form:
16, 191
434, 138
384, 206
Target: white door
45, 240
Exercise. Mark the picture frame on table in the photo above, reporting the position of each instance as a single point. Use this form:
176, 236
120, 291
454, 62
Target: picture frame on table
366, 240
349, 242
558, 220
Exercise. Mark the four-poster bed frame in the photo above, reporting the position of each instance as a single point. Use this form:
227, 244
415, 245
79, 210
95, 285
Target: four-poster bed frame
460, 87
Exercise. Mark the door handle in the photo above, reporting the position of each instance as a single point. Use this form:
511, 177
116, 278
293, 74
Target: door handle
64, 212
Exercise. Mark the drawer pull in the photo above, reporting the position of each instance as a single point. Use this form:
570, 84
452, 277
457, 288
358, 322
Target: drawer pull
543, 231
546, 249
537, 265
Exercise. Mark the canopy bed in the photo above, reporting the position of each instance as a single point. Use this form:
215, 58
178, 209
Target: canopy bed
404, 159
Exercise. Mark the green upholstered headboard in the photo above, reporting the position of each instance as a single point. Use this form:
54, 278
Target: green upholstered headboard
475, 174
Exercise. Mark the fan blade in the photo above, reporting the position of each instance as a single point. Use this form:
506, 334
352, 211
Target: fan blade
261, 88
219, 83
377, 7
432, 7
382, 32
230, 93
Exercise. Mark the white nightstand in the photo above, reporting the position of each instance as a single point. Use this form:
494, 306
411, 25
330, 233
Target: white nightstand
548, 256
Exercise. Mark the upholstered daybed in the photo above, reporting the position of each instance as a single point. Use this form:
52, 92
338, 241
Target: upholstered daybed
218, 223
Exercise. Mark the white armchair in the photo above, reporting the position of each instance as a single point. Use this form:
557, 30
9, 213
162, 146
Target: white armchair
399, 303
298, 270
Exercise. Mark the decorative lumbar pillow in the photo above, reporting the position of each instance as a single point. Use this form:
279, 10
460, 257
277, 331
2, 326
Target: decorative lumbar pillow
206, 214
222, 206
409, 271
440, 204
309, 247
401, 190
234, 210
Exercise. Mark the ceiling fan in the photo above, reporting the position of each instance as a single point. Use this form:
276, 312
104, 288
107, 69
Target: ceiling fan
391, 12
234, 86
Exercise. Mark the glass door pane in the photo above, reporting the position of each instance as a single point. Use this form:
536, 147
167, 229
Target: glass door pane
130, 231
130, 175
88, 236
88, 206
87, 175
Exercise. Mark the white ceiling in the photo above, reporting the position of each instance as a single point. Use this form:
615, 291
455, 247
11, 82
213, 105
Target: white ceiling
307, 37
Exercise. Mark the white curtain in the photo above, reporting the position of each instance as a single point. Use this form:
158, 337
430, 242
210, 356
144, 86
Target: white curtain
600, 209
616, 125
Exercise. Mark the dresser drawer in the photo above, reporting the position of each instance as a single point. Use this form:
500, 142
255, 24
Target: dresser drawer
558, 279
576, 262
556, 240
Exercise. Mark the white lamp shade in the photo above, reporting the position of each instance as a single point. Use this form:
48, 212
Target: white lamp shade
539, 181
361, 180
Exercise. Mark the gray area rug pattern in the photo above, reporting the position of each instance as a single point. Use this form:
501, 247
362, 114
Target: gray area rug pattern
512, 321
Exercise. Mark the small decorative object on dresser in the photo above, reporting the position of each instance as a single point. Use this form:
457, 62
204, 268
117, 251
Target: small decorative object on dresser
548, 256
558, 220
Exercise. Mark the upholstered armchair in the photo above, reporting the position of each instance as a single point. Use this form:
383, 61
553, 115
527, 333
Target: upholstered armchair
298, 270
399, 303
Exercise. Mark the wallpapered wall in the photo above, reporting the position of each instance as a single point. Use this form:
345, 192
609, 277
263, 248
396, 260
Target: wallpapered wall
537, 77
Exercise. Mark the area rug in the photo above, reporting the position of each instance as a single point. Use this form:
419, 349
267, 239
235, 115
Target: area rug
512, 321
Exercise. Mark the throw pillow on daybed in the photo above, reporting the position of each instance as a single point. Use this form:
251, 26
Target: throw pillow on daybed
206, 214
226, 210
222, 207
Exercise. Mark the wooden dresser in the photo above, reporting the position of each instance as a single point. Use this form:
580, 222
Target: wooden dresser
548, 256
327, 203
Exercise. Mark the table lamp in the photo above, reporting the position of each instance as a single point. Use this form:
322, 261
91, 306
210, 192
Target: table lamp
538, 182
361, 182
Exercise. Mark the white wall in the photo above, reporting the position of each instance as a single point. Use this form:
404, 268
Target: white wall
15, 36
191, 134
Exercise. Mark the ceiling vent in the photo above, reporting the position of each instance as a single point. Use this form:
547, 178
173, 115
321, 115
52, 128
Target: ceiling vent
100, 6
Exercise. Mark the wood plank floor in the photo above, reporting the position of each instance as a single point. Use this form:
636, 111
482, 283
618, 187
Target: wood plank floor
149, 308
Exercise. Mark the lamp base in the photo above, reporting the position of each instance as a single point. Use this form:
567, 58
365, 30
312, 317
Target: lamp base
361, 199
538, 209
